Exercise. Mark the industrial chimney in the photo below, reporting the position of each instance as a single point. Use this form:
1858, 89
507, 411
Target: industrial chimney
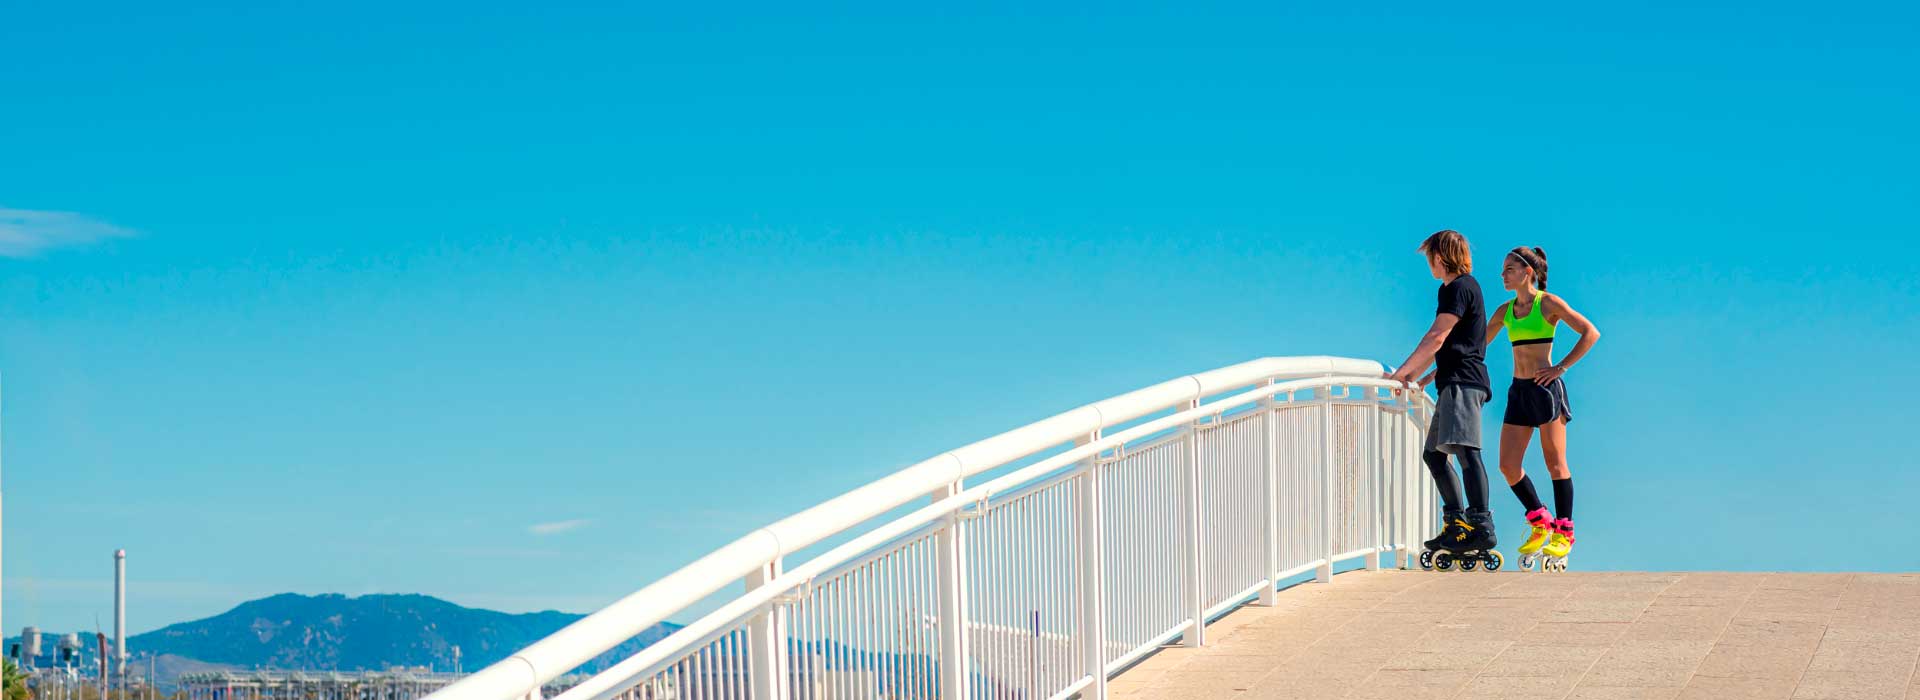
120, 610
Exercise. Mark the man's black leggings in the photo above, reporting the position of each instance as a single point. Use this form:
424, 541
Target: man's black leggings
1472, 471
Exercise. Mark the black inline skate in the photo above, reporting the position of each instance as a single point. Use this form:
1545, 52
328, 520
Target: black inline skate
1453, 528
1468, 542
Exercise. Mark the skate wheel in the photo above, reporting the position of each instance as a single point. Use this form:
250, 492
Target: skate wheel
1443, 561
1426, 559
1469, 563
1528, 560
1495, 560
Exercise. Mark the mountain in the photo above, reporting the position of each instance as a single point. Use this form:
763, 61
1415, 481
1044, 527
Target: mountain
372, 632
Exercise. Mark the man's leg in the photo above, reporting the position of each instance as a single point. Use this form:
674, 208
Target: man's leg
1473, 473
1446, 482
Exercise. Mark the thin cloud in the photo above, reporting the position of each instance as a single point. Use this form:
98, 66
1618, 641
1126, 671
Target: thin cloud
27, 232
515, 603
93, 588
544, 529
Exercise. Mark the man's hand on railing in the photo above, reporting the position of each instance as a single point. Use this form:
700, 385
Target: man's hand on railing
1406, 381
1399, 380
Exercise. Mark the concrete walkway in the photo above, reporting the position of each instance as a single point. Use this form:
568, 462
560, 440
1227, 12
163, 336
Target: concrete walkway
1573, 636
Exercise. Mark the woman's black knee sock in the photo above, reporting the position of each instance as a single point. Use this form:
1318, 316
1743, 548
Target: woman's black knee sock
1473, 474
1563, 498
1529, 498
1444, 479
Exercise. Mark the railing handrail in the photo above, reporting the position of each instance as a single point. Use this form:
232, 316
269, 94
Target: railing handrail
519, 674
607, 684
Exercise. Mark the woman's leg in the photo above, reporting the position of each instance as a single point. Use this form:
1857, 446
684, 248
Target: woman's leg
1514, 440
1553, 442
1513, 455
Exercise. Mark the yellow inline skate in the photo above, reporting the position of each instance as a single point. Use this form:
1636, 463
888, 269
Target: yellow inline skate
1560, 547
1529, 551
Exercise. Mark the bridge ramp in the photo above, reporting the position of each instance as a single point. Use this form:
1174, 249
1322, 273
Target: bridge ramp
1571, 636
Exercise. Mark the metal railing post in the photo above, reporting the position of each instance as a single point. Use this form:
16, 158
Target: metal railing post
1404, 505
1269, 506
766, 637
1093, 582
1376, 470
1429, 502
1196, 634
951, 552
1324, 573
1411, 468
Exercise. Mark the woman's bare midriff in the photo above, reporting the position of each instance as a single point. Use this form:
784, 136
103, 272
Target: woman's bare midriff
1530, 359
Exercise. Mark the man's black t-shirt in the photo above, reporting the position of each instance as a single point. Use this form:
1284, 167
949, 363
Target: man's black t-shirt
1462, 359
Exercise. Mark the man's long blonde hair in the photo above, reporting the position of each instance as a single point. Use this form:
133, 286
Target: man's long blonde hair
1451, 249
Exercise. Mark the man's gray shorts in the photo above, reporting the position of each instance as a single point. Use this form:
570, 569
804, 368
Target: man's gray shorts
1456, 419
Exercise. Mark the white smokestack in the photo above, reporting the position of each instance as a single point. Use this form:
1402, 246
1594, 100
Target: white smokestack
120, 608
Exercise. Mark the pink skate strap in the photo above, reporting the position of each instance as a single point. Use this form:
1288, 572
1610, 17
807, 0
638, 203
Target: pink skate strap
1565, 527
1538, 516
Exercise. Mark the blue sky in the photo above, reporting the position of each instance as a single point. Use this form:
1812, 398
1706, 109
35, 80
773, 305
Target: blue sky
525, 307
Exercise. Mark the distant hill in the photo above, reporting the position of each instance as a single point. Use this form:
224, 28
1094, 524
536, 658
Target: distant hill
372, 632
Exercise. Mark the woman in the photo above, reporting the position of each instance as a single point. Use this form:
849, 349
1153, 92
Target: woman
1537, 400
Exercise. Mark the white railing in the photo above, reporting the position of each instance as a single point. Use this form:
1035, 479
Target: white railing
1161, 508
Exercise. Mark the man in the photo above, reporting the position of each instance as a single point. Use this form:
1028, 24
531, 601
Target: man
1455, 347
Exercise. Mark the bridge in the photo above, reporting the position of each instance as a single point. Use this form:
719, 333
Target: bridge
1182, 541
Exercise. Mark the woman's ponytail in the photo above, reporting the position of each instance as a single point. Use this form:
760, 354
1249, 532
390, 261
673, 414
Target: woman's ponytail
1535, 259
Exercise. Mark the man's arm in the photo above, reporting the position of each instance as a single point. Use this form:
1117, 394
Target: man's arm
1429, 345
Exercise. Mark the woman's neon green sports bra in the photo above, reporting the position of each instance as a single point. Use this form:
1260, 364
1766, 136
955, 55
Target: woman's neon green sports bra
1532, 330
